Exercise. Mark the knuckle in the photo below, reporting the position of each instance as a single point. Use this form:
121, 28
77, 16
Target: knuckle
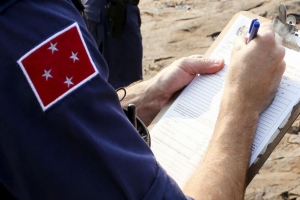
269, 36
180, 60
282, 52
283, 66
279, 53
183, 59
206, 60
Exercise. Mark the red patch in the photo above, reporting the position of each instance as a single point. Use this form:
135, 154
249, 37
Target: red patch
58, 66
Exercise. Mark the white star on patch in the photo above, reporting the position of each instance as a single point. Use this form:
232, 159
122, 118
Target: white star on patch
74, 56
47, 74
53, 47
69, 81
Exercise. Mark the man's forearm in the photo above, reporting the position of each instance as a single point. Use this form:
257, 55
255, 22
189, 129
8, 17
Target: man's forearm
255, 68
222, 172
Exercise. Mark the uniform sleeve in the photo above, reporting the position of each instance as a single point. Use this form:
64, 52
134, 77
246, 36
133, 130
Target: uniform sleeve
82, 146
165, 187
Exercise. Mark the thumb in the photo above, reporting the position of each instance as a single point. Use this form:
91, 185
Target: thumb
197, 65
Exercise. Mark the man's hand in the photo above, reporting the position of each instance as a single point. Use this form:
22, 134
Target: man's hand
151, 95
254, 73
181, 72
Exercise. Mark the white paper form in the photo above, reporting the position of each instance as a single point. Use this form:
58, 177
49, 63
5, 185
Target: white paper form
181, 137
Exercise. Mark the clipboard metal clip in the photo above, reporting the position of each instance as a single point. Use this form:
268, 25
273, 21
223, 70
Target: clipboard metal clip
285, 26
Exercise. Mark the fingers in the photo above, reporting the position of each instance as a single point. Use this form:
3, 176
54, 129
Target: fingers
266, 26
208, 66
271, 38
282, 67
266, 32
196, 56
278, 38
197, 64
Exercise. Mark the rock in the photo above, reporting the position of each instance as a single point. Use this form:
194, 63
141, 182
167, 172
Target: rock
295, 191
295, 128
177, 28
294, 139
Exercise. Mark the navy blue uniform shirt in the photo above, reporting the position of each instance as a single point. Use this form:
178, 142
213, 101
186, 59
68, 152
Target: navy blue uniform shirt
79, 145
124, 53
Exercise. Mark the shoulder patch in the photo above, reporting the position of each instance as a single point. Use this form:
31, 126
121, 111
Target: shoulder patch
58, 66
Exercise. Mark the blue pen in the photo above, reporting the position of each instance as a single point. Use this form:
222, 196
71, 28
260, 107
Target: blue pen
252, 22
253, 30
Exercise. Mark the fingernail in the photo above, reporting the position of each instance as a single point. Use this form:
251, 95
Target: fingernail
218, 61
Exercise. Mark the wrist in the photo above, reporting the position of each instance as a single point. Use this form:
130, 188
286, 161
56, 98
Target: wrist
154, 99
235, 125
236, 103
147, 97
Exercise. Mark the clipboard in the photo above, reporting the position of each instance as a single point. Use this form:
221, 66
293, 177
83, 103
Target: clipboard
281, 28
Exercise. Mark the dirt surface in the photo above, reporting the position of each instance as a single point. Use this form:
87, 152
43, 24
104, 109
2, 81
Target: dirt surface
172, 29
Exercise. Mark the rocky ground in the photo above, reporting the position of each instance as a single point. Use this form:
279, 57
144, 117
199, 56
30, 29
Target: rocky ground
175, 28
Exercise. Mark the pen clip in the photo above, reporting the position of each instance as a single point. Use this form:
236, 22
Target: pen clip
252, 24
253, 30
